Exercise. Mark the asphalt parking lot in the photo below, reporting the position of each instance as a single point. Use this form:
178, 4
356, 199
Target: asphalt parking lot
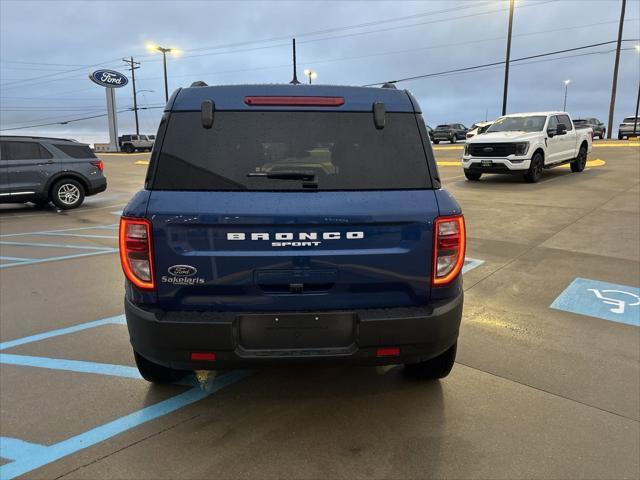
541, 388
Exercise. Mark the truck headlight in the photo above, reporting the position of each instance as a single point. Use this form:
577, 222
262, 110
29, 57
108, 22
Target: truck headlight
521, 148
466, 149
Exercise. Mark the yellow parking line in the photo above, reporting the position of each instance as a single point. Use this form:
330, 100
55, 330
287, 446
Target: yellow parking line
616, 144
142, 162
450, 147
596, 162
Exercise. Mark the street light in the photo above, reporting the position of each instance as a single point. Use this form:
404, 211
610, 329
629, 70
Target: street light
635, 121
506, 63
174, 51
566, 86
311, 74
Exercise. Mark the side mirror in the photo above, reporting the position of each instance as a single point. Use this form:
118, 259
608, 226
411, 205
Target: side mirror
206, 113
551, 132
562, 129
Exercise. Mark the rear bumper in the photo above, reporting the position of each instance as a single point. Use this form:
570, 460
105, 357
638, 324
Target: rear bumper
96, 186
169, 338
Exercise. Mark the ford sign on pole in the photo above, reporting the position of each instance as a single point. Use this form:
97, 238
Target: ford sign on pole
110, 79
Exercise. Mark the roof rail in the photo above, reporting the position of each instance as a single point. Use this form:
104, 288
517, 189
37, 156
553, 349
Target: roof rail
198, 83
33, 137
389, 85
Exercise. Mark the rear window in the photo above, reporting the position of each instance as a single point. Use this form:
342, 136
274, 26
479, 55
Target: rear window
629, 120
442, 127
343, 150
76, 151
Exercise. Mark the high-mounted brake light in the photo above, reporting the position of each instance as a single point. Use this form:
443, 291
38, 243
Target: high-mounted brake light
99, 164
136, 255
449, 243
295, 101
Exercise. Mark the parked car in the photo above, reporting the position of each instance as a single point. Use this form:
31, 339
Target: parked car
627, 126
599, 128
135, 143
451, 132
527, 143
478, 129
357, 263
430, 132
42, 169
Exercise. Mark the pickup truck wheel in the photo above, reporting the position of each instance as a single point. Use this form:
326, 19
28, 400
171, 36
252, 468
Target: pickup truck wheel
438, 367
67, 194
473, 176
453, 138
620, 137
535, 169
128, 148
154, 373
436, 142
580, 162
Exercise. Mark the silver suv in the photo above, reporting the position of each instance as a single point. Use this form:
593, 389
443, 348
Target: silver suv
43, 170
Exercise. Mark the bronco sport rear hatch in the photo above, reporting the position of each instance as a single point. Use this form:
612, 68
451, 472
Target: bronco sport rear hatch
285, 206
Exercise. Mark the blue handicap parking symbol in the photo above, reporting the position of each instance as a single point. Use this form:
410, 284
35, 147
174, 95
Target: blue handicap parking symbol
610, 301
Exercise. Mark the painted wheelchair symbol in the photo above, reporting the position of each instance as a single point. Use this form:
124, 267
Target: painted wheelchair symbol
619, 305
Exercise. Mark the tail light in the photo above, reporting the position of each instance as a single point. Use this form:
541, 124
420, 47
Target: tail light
98, 164
135, 252
449, 245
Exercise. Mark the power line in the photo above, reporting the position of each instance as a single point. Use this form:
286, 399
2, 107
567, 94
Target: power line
474, 67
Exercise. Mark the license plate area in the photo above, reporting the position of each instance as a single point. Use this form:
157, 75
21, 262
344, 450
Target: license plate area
486, 163
296, 331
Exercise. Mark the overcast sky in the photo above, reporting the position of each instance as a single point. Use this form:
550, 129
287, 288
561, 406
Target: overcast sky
48, 48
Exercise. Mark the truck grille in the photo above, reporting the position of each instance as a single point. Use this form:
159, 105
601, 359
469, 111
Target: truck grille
491, 149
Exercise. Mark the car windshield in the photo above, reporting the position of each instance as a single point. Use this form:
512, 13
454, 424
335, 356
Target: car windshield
443, 127
534, 123
580, 122
630, 120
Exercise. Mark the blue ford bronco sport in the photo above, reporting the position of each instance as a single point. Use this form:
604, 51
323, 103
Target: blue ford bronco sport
291, 223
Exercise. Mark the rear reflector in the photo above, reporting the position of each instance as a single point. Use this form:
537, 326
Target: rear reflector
449, 242
388, 352
136, 256
204, 356
295, 101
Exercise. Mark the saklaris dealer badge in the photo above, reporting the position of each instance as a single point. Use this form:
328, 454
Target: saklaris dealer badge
182, 275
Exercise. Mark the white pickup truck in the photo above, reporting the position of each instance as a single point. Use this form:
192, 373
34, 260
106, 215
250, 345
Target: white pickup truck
527, 143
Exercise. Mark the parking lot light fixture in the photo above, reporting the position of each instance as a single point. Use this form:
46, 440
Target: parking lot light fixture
152, 47
566, 87
311, 74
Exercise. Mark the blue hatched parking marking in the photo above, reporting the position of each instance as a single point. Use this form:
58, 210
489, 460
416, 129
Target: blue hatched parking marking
25, 456
470, 264
609, 301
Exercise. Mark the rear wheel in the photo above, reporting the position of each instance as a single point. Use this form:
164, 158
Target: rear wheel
436, 142
438, 367
67, 194
620, 137
128, 148
473, 176
453, 138
581, 160
603, 134
154, 373
534, 174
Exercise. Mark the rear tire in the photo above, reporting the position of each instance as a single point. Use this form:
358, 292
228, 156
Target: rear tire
435, 368
580, 162
154, 373
534, 174
454, 139
436, 142
128, 148
67, 194
620, 137
472, 176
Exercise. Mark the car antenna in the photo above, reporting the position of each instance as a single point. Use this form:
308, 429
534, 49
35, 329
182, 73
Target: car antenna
295, 80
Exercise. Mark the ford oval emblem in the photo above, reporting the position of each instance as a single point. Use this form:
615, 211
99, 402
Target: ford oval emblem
487, 149
182, 270
109, 78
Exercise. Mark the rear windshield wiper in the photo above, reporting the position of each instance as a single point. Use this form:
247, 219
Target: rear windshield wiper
286, 175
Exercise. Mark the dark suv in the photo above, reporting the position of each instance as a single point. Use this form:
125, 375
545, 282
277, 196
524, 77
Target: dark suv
40, 170
451, 132
291, 223
599, 128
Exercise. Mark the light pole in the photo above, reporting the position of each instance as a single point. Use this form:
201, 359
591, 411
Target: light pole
566, 87
133, 66
311, 74
635, 121
614, 83
506, 64
164, 52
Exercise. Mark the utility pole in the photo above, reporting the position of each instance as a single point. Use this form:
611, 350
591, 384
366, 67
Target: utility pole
133, 66
506, 65
635, 121
614, 86
295, 80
